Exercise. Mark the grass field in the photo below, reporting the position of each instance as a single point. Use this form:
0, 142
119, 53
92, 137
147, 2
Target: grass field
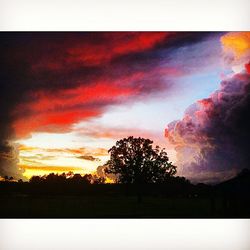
26, 206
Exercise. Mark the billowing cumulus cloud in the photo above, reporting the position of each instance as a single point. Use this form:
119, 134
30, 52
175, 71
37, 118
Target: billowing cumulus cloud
213, 139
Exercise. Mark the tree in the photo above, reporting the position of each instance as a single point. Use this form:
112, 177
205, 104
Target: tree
134, 160
35, 179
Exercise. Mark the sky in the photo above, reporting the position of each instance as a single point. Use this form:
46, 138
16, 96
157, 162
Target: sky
67, 97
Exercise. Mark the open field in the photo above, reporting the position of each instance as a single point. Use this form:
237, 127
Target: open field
119, 206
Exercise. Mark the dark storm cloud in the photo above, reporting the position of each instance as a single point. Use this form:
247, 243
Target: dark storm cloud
9, 160
213, 139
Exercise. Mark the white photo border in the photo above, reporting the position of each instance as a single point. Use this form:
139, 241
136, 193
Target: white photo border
125, 15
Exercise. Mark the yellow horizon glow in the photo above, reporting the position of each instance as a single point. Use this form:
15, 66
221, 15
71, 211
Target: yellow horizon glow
41, 171
57, 153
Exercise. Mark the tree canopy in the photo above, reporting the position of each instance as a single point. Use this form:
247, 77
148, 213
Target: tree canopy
135, 160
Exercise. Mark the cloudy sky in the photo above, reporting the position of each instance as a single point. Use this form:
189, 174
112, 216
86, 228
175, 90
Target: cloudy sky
67, 97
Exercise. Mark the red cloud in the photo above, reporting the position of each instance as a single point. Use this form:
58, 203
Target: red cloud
56, 112
62, 78
117, 44
247, 66
97, 48
58, 122
61, 93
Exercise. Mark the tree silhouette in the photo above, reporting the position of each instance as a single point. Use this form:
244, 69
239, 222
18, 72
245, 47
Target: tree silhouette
135, 161
70, 178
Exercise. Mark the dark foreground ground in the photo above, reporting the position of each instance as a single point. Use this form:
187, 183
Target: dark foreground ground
58, 206
119, 207
177, 198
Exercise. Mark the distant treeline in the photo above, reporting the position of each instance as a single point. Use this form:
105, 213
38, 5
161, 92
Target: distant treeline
69, 183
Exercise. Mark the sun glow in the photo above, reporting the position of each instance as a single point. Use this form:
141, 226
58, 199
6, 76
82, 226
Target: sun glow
44, 153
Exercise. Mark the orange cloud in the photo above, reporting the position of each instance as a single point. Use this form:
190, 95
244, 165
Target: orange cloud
77, 151
116, 133
236, 42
